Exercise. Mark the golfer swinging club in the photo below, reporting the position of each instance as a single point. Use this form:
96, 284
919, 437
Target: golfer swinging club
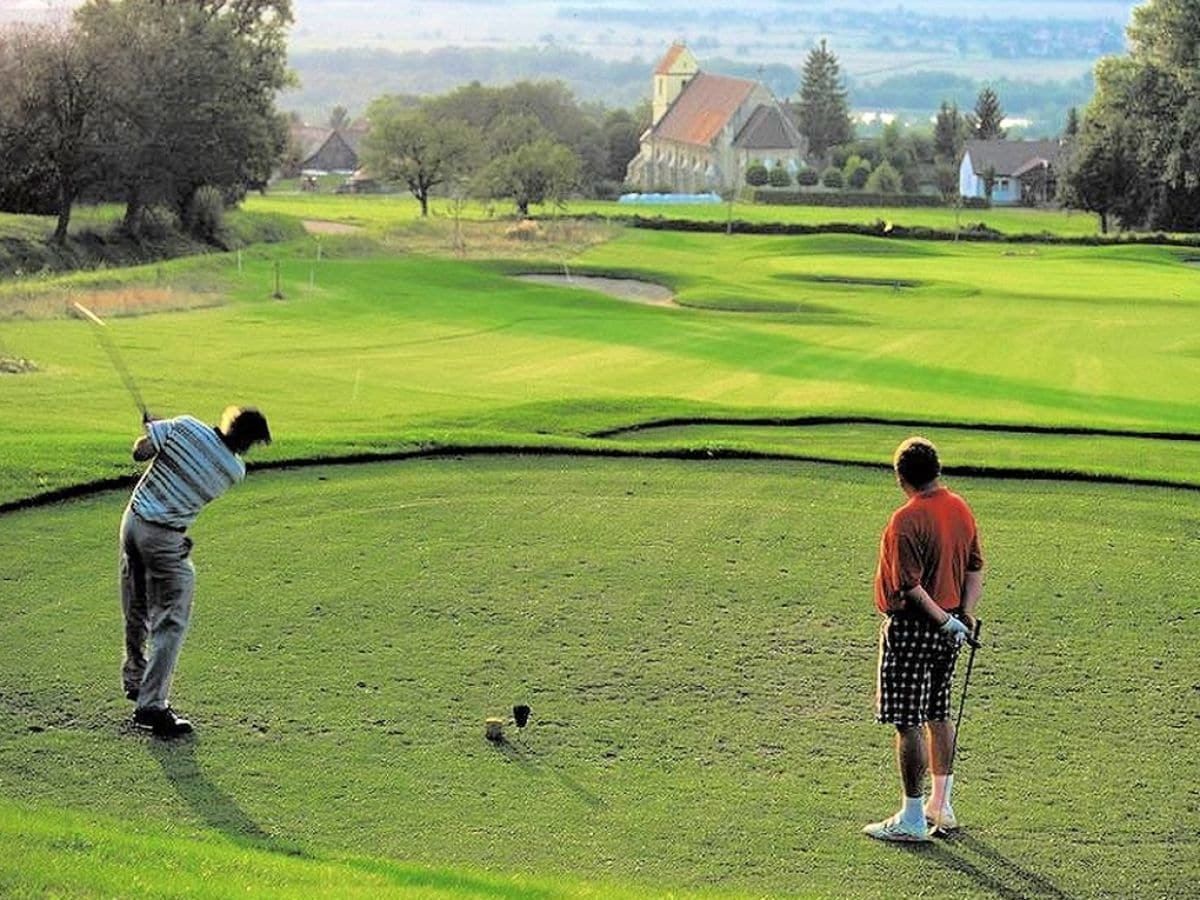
930, 578
192, 465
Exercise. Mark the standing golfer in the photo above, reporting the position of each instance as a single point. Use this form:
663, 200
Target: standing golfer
192, 464
929, 579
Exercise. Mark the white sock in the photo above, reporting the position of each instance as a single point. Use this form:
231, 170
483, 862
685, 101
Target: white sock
940, 798
913, 813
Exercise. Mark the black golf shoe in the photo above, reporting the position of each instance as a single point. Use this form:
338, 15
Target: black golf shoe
161, 722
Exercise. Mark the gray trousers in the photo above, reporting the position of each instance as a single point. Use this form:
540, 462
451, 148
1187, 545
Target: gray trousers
157, 583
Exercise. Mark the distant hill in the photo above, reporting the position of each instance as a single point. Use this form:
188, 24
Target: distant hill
353, 77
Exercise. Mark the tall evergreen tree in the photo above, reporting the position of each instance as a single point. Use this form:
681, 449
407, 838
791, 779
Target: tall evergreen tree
824, 112
948, 133
985, 122
1072, 126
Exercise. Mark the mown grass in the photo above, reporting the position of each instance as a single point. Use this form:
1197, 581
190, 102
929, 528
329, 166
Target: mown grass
384, 212
356, 357
696, 641
1094, 455
50, 852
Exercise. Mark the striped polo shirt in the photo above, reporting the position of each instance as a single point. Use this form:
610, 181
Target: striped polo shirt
192, 467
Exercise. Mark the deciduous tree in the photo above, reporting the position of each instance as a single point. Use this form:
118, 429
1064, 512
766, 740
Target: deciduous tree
412, 147
539, 172
50, 116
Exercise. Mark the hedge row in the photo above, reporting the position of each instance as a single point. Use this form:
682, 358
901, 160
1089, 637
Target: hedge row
858, 198
975, 231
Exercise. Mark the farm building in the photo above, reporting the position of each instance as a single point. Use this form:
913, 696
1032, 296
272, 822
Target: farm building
328, 150
1023, 171
707, 129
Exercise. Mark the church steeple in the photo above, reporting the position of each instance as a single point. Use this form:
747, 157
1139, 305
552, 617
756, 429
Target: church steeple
670, 76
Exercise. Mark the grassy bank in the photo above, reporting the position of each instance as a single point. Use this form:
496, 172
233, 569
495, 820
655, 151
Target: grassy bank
96, 241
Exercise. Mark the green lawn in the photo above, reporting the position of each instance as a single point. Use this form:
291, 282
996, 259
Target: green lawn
355, 359
394, 210
696, 641
696, 638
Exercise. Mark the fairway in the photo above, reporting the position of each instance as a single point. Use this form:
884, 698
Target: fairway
696, 641
395, 211
355, 359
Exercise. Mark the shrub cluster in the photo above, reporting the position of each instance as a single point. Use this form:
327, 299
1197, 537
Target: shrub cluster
973, 231
860, 198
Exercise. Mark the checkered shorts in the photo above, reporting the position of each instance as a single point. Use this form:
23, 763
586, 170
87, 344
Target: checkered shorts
916, 671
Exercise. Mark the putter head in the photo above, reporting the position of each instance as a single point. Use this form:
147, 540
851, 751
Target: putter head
521, 715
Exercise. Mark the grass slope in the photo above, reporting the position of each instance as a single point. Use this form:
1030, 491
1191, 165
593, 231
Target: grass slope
61, 854
696, 641
387, 352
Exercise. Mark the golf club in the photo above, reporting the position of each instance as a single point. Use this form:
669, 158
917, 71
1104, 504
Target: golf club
962, 700
106, 341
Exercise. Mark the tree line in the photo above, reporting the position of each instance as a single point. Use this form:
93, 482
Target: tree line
528, 142
163, 104
1135, 154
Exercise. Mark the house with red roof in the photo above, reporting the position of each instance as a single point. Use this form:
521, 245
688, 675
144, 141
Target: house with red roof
708, 128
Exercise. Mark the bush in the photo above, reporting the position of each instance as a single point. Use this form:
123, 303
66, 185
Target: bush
806, 198
884, 180
808, 178
204, 218
780, 177
856, 173
159, 222
757, 174
832, 178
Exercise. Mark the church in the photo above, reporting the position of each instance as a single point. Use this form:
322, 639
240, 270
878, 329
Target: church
706, 129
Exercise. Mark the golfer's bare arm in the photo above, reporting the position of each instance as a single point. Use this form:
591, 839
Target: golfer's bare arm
972, 591
919, 596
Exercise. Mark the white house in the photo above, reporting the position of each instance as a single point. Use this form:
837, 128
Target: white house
707, 129
1023, 171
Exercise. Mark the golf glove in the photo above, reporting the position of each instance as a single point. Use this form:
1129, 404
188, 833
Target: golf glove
954, 631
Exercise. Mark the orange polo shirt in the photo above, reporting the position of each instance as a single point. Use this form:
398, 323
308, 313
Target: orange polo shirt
930, 541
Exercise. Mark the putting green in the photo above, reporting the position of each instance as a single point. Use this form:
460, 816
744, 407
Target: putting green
695, 639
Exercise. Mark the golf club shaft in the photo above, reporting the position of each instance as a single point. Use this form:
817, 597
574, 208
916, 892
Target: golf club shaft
106, 341
962, 700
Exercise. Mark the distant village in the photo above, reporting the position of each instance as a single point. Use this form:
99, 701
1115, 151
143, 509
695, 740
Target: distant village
714, 133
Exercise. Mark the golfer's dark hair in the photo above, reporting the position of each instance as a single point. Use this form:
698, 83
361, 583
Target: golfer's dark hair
916, 461
245, 426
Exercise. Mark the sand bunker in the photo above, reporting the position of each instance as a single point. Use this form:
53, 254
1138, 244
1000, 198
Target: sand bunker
622, 288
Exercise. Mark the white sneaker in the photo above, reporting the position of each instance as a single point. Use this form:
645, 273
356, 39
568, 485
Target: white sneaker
941, 819
896, 829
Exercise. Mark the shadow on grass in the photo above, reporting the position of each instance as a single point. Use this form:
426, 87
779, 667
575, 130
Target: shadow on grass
523, 757
209, 801
221, 811
989, 868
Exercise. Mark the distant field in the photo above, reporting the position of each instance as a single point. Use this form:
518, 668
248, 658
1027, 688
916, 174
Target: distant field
393, 210
696, 641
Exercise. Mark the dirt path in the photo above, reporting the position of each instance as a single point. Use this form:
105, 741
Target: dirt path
320, 226
622, 288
